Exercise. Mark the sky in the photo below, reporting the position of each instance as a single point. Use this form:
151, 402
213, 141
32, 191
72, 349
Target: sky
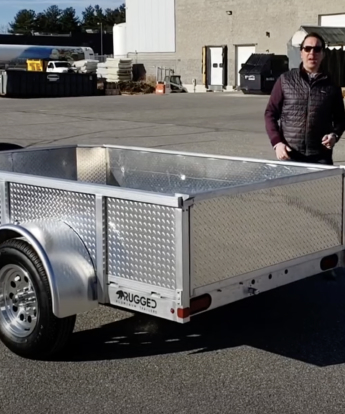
9, 8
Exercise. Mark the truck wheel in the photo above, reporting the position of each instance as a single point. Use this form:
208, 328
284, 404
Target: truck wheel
28, 326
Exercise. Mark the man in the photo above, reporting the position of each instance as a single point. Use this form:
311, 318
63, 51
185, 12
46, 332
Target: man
309, 108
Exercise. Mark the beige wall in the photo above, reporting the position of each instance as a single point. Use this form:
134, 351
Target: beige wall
205, 22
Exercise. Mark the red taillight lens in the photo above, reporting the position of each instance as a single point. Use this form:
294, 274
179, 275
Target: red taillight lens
200, 303
183, 313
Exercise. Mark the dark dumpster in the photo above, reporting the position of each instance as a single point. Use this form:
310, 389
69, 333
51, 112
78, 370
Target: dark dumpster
23, 84
259, 74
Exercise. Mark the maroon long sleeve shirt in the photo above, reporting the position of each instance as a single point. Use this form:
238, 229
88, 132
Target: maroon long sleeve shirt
273, 112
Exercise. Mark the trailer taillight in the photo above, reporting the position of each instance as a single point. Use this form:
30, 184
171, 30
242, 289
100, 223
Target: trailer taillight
198, 304
183, 313
329, 262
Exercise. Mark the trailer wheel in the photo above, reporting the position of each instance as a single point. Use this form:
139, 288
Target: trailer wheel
28, 326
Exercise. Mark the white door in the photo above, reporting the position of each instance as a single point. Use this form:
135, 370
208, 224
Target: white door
216, 54
333, 20
242, 55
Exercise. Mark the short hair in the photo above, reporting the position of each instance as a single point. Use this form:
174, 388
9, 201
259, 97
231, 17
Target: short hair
317, 36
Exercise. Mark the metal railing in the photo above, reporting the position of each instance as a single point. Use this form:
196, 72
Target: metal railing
102, 58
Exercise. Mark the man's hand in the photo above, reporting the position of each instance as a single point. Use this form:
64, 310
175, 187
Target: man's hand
282, 151
329, 141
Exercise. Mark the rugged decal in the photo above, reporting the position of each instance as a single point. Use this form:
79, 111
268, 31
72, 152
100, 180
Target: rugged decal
136, 301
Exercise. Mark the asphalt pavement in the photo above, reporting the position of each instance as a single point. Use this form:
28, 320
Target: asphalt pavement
281, 352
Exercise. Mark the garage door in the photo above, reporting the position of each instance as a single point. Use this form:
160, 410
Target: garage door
242, 55
333, 20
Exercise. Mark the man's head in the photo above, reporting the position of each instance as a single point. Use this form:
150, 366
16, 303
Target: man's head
312, 52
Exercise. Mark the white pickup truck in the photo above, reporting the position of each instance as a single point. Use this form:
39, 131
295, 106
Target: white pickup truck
57, 66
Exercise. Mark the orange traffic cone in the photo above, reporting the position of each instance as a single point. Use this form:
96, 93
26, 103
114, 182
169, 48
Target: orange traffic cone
160, 89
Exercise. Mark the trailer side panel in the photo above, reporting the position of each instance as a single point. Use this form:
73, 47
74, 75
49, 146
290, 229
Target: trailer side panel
237, 234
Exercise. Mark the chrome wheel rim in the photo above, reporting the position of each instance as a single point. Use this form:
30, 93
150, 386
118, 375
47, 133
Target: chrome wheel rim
18, 301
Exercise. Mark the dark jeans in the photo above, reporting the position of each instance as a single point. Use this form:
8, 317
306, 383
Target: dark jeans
313, 159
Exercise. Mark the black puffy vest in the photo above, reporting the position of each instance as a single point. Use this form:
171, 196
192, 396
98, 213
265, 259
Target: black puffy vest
307, 111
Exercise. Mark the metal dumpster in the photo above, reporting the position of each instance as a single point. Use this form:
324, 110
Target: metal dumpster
259, 74
26, 84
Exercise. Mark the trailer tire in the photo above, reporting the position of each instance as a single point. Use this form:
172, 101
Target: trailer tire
28, 326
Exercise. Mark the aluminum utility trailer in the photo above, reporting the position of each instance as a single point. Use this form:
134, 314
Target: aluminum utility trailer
169, 234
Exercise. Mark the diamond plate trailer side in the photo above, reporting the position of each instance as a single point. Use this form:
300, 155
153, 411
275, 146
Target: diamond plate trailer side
165, 233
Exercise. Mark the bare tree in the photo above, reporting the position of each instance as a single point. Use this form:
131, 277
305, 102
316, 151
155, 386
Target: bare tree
4, 28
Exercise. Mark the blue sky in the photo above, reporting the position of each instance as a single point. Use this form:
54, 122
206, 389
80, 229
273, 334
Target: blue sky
9, 8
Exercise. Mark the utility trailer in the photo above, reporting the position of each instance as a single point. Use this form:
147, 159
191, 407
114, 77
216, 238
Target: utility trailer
165, 233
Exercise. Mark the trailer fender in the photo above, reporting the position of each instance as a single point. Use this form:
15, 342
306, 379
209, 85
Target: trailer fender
66, 260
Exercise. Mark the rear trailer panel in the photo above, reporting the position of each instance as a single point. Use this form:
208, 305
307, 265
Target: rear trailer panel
168, 233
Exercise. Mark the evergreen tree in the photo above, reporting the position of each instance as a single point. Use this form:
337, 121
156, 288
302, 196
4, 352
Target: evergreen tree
69, 22
56, 20
52, 18
24, 22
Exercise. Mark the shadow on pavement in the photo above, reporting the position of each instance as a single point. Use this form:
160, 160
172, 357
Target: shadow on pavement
304, 321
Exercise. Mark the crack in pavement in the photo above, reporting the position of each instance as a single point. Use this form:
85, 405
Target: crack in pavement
123, 137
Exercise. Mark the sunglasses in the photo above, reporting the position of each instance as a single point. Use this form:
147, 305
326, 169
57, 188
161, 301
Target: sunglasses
308, 49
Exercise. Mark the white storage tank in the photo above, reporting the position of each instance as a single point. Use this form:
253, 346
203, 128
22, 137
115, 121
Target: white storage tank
119, 39
150, 26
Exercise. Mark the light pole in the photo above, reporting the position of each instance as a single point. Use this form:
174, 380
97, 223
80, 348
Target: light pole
101, 24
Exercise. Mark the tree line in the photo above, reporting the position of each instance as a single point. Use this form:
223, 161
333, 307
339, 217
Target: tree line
64, 21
